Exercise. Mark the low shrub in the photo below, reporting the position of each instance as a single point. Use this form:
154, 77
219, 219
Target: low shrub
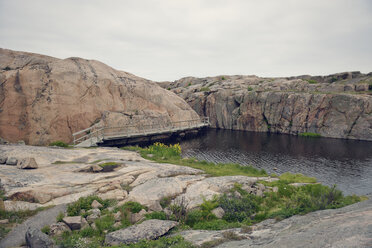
249, 88
85, 203
156, 215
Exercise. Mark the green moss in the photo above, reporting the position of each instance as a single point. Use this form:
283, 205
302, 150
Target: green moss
310, 135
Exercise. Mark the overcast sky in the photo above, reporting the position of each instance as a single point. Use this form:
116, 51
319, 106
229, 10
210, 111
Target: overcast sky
170, 39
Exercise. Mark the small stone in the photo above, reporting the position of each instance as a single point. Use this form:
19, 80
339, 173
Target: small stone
91, 218
96, 204
260, 186
95, 211
5, 221
117, 224
138, 216
275, 168
27, 163
218, 212
58, 228
237, 195
259, 192
93, 225
150, 155
117, 216
75, 222
3, 159
21, 142
275, 189
37, 239
155, 206
11, 161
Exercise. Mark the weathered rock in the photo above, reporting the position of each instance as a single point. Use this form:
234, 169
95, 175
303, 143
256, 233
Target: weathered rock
58, 228
96, 204
149, 229
117, 194
136, 217
345, 227
3, 141
218, 212
75, 222
60, 97
12, 161
4, 221
91, 168
283, 105
3, 159
27, 163
37, 239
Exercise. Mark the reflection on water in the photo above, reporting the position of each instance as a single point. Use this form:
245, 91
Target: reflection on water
347, 163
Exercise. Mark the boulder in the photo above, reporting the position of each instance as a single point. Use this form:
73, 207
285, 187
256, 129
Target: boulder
150, 229
27, 163
218, 212
96, 204
4, 221
12, 161
75, 222
37, 239
58, 228
3, 159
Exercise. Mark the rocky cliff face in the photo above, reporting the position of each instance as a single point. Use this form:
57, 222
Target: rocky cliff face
43, 99
338, 106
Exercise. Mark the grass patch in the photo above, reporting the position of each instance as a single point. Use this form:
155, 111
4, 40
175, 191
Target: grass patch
84, 203
205, 89
172, 154
296, 178
249, 88
59, 144
109, 166
311, 81
310, 135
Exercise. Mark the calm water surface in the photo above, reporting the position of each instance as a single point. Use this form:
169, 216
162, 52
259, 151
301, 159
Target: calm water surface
346, 163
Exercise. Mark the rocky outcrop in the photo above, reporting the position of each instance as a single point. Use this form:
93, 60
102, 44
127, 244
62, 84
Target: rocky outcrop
44, 99
338, 106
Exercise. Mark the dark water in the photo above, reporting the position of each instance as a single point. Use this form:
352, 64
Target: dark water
346, 163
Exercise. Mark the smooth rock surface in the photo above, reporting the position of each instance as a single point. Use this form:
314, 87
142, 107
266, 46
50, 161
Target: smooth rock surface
44, 99
149, 229
11, 161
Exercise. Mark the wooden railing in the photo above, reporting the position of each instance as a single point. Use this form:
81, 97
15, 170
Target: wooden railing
98, 133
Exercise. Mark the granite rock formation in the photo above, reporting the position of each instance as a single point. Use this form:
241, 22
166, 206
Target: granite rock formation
44, 99
337, 106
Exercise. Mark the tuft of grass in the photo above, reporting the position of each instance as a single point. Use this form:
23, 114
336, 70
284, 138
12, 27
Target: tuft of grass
46, 230
205, 89
311, 81
60, 217
310, 135
223, 78
296, 178
249, 88
59, 143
